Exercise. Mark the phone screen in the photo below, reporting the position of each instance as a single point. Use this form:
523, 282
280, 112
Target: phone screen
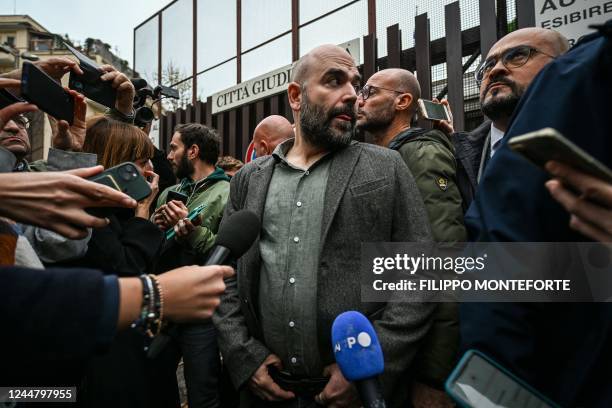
40, 89
481, 384
435, 111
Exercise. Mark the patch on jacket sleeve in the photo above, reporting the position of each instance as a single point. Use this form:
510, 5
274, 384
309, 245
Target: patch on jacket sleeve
442, 183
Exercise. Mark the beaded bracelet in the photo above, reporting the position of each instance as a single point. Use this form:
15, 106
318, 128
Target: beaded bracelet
159, 303
149, 322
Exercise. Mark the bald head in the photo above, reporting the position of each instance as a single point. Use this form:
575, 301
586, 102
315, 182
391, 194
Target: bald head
270, 132
322, 95
546, 40
404, 80
302, 69
390, 105
504, 83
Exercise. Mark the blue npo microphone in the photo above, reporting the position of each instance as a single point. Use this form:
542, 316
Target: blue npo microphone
359, 356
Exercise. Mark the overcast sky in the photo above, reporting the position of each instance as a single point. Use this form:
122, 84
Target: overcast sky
112, 21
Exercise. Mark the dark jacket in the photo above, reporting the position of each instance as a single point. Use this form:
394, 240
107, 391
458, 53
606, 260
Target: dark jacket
563, 350
127, 246
123, 376
429, 155
364, 202
54, 323
469, 150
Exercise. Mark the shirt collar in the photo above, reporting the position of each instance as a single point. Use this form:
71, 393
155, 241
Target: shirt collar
496, 137
281, 150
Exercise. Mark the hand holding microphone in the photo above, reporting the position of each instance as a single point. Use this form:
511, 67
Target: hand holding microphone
359, 356
338, 392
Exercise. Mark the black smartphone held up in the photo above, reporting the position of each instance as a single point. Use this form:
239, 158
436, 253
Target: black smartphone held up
433, 111
125, 178
175, 195
547, 144
7, 98
90, 84
478, 381
40, 89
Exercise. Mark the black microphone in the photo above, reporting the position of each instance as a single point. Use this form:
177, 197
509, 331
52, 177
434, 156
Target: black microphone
139, 83
234, 238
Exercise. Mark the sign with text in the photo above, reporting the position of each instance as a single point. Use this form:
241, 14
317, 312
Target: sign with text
572, 17
265, 85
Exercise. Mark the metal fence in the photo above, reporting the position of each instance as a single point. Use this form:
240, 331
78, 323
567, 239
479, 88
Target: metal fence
444, 66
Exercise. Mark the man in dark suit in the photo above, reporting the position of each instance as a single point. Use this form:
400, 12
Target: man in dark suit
504, 76
562, 349
319, 196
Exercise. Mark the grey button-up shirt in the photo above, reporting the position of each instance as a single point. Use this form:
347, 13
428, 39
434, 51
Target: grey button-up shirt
289, 245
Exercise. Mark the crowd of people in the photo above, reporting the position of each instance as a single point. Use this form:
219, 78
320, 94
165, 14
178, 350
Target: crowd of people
105, 293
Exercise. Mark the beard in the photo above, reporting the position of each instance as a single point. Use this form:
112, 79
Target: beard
501, 107
184, 168
317, 127
379, 119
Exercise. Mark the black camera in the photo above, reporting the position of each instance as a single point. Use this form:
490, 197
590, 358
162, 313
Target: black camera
143, 114
128, 172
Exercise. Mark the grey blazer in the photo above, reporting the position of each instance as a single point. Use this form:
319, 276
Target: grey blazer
371, 196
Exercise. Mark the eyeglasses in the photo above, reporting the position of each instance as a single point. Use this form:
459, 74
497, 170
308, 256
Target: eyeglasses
511, 58
367, 89
21, 121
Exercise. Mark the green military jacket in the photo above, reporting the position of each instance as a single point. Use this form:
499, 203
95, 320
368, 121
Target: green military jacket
430, 156
213, 191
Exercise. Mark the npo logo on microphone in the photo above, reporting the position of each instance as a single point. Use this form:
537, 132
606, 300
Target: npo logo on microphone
363, 339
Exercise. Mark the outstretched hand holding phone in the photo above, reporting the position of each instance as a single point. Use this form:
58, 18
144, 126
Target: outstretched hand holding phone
590, 202
71, 137
57, 200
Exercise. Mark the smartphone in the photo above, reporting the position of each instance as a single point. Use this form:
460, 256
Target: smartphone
7, 98
478, 381
175, 195
191, 216
89, 83
548, 144
125, 178
433, 111
40, 89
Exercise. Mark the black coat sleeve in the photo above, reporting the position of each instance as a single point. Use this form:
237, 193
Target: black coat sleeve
54, 318
124, 247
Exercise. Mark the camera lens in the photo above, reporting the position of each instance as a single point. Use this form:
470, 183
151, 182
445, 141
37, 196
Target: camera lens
128, 172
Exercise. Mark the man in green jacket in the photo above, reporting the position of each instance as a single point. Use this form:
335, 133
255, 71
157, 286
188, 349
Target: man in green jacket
194, 150
387, 105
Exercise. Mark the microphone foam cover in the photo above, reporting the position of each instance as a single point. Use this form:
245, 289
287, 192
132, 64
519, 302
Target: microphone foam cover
239, 232
356, 347
139, 83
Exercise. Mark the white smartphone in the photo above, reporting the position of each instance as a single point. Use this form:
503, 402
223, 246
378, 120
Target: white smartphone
433, 111
548, 144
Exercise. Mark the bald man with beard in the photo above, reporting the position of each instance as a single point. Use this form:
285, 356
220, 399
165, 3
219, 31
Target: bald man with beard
320, 195
386, 106
270, 132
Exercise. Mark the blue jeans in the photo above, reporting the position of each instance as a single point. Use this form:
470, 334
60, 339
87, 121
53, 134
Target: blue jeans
198, 344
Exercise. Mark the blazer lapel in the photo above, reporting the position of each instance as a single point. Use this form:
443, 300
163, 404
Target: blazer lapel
340, 171
258, 187
256, 201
